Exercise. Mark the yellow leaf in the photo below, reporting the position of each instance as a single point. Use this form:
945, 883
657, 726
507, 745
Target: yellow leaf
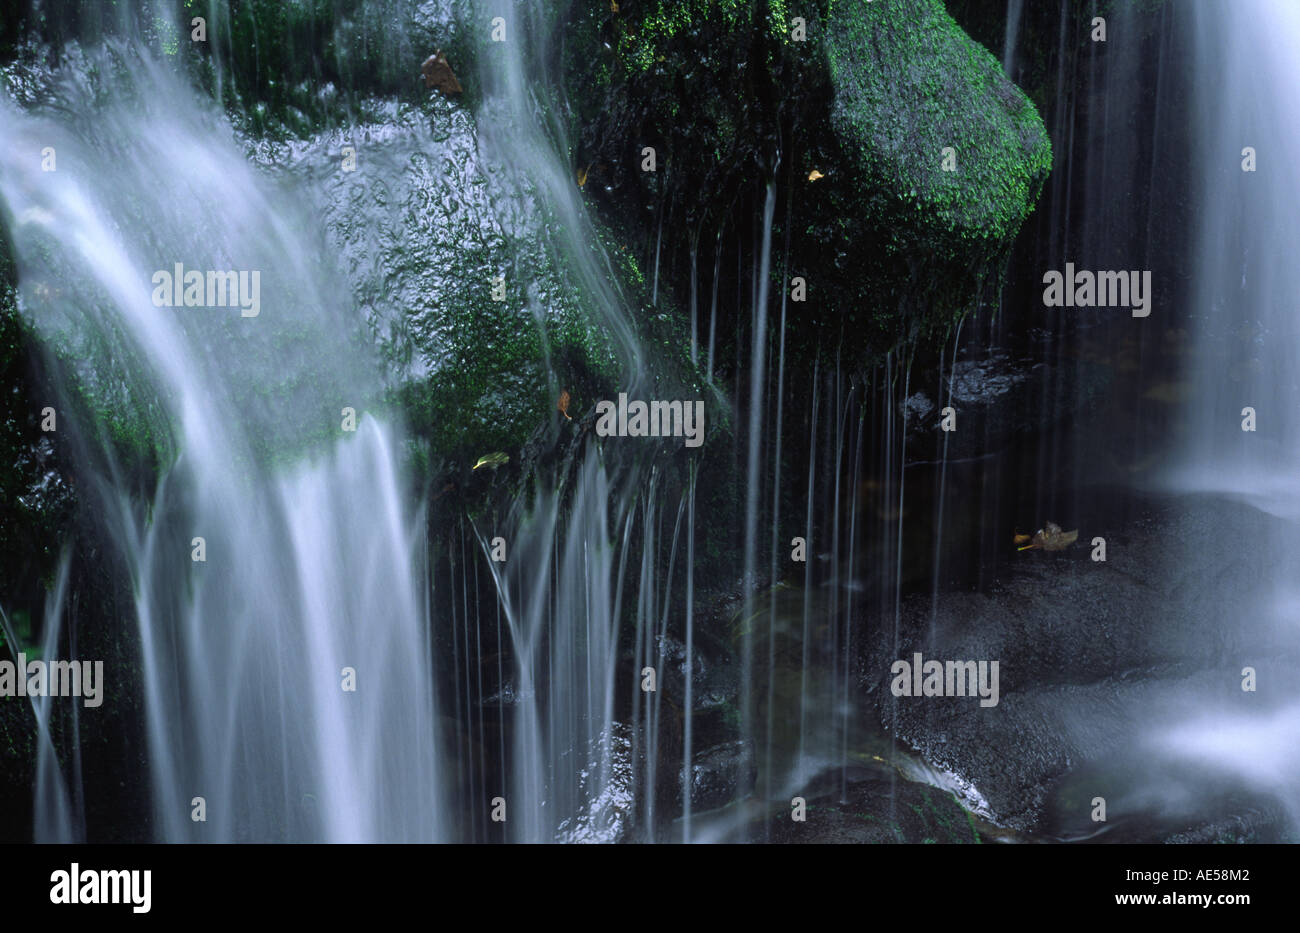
492, 460
582, 176
1052, 538
814, 175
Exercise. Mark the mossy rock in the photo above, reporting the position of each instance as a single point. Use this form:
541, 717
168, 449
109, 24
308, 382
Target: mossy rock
948, 155
652, 26
892, 247
35, 495
910, 84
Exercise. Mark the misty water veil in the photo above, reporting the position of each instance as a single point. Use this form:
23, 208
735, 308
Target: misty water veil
307, 352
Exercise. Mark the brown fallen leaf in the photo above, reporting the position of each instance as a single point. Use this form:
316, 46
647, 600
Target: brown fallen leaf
1052, 538
438, 74
1023, 539
563, 404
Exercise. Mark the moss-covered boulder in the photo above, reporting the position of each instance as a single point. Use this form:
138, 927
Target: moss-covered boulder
848, 107
455, 267
926, 114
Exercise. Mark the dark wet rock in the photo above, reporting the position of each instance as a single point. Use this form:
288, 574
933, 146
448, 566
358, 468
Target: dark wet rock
608, 817
721, 774
1100, 663
998, 399
714, 679
875, 810
17, 767
1266, 824
424, 228
36, 502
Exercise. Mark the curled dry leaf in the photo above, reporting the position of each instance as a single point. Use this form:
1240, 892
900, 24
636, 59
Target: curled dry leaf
814, 175
1051, 538
563, 404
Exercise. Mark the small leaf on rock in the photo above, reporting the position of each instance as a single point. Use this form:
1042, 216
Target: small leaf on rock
1052, 538
438, 74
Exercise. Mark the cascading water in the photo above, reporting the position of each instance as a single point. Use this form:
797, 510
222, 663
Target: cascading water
560, 604
56, 820
570, 767
1014, 10
1248, 336
505, 649
280, 556
1246, 356
313, 569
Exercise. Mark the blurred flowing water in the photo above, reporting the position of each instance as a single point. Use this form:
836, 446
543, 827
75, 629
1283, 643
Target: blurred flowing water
318, 553
1246, 355
1245, 280
314, 547
568, 767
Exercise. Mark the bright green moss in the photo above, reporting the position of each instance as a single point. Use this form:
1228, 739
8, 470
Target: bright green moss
909, 82
644, 40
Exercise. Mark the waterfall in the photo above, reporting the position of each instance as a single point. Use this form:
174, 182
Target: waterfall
520, 129
327, 654
574, 763
291, 662
559, 600
1244, 278
281, 554
54, 805
1245, 355
753, 482
1014, 9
